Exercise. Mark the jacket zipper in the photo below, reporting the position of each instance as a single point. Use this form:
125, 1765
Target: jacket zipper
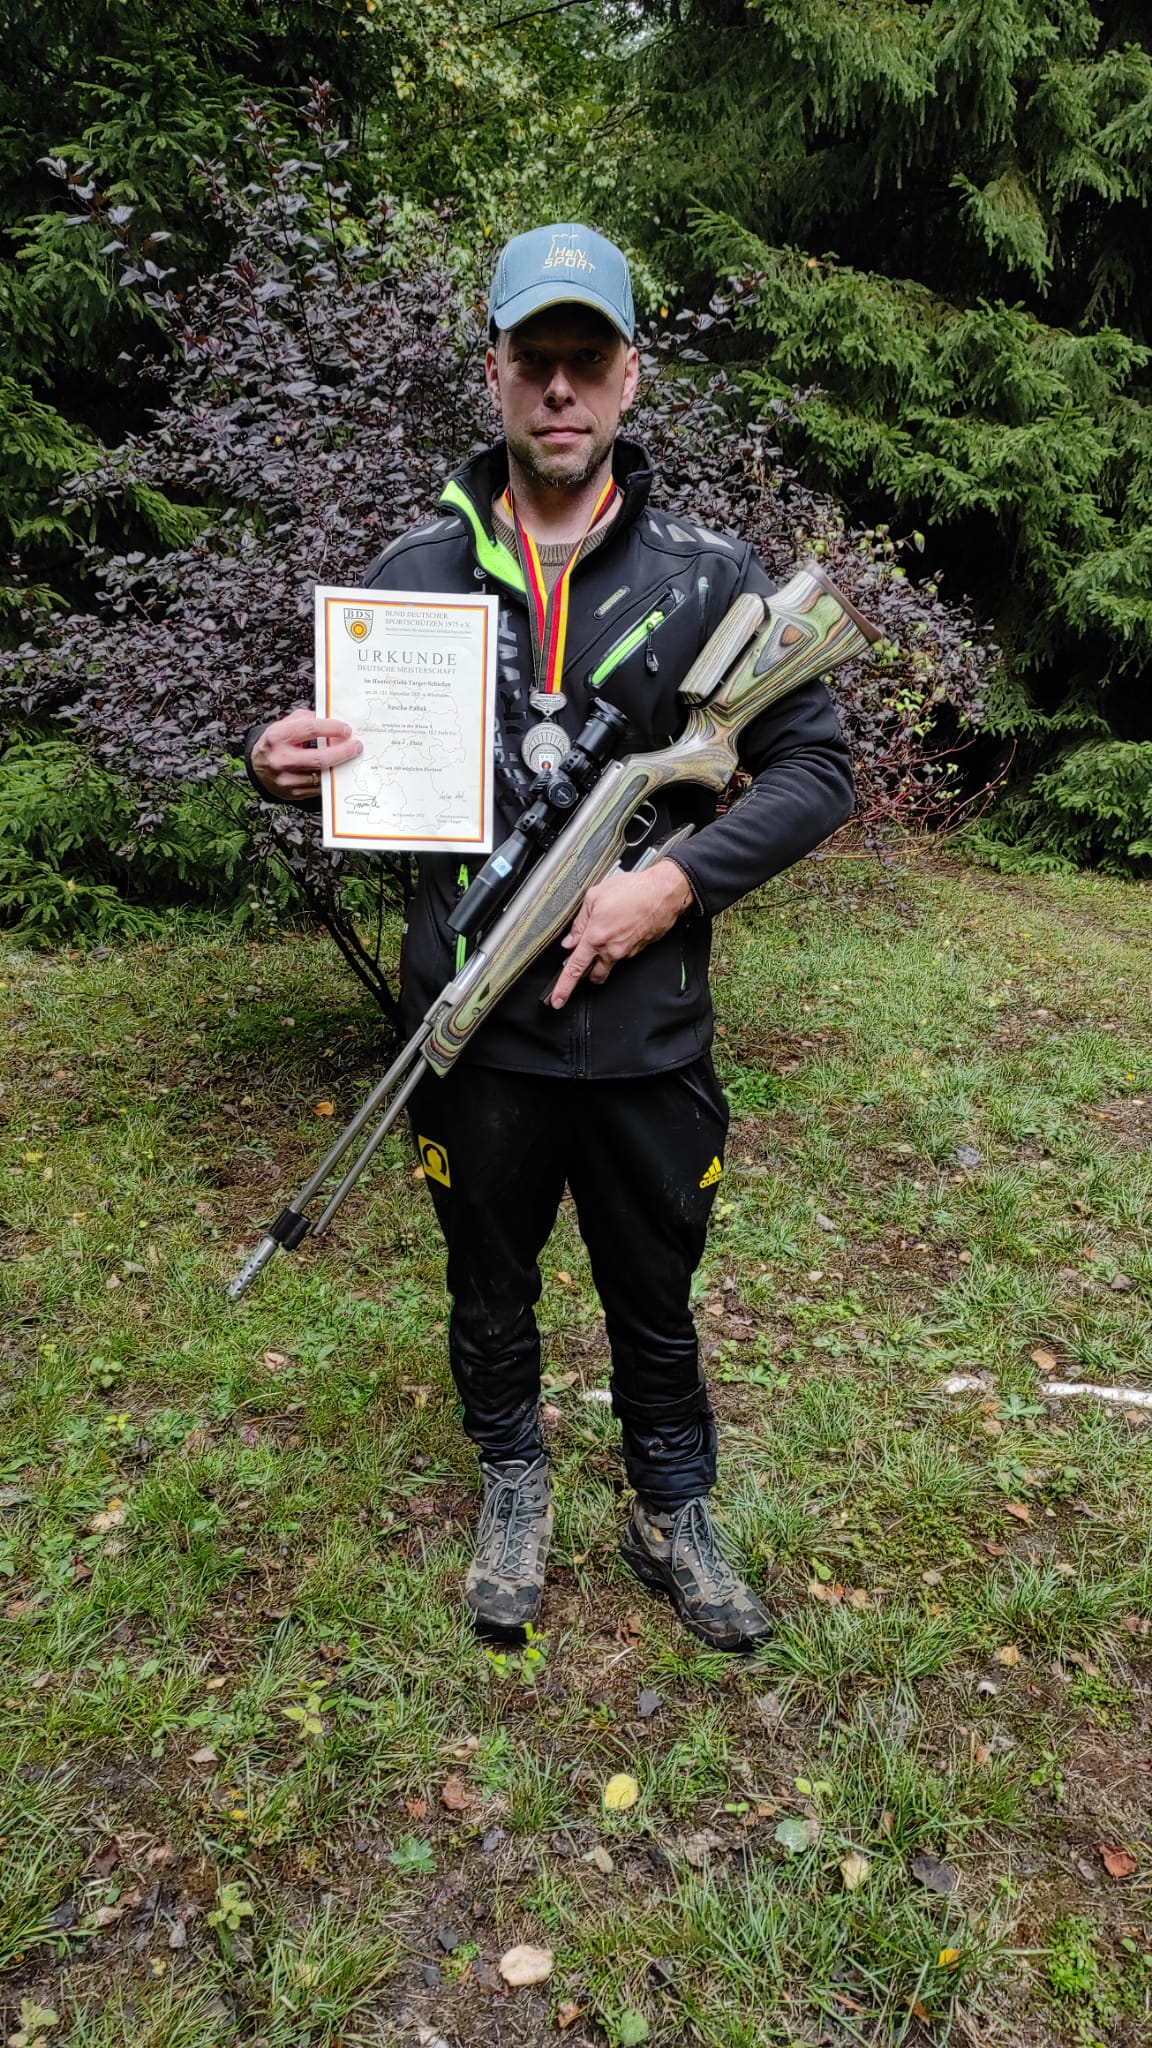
462, 879
635, 637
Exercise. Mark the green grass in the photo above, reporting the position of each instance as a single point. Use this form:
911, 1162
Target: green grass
235, 1673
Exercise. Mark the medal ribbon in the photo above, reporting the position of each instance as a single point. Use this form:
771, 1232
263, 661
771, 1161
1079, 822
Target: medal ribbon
548, 616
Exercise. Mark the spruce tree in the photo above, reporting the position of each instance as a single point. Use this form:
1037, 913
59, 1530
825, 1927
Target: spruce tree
940, 207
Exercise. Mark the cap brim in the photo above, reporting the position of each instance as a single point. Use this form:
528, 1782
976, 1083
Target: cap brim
539, 296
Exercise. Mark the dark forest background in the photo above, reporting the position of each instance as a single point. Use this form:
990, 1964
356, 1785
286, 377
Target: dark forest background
893, 261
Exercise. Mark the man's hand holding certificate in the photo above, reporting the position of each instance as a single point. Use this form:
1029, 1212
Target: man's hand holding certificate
412, 677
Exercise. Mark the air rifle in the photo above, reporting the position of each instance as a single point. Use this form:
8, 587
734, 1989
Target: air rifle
583, 816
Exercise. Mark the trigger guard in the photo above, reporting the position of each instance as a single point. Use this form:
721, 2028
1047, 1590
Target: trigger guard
645, 818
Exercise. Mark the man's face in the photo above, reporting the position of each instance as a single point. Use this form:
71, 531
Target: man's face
560, 382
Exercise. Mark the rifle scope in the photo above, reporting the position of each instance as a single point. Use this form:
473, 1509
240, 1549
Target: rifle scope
554, 794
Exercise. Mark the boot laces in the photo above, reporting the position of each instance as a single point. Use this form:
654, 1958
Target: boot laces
696, 1541
511, 1510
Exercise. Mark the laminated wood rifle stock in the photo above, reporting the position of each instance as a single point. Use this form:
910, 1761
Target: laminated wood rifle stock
757, 655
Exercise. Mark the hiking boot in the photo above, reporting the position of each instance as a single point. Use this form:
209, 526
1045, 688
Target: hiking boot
506, 1577
680, 1554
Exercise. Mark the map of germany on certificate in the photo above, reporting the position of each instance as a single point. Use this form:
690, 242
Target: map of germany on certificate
414, 676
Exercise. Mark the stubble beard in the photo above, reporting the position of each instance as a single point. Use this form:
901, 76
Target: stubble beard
542, 468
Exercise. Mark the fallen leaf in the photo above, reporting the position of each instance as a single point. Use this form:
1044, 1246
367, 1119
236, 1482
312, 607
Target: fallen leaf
108, 1518
948, 1959
567, 2015
630, 1630
106, 1859
621, 1792
1046, 1360
416, 1809
455, 1795
887, 1821
564, 1278
107, 1916
1018, 1510
600, 1857
648, 1704
932, 1578
698, 1848
921, 2011
1120, 1283
178, 1935
325, 1108
854, 1870
1009, 1655
274, 1358
526, 1965
993, 1549
203, 1756
859, 1599
981, 1753
159, 1856
1117, 1862
934, 1875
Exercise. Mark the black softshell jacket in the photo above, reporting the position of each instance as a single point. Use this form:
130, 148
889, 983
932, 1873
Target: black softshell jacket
642, 606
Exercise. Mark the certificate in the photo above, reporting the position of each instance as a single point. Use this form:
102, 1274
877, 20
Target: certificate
414, 675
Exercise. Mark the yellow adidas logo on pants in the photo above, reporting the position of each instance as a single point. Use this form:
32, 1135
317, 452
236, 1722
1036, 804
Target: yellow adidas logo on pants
713, 1174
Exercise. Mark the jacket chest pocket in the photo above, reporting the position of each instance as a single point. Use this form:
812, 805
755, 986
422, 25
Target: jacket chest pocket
643, 634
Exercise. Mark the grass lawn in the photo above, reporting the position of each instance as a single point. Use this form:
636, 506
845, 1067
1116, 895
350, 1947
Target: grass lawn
260, 1784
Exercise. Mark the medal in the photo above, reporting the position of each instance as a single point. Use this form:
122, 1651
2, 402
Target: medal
543, 746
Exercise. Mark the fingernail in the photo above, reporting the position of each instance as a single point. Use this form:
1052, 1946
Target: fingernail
359, 746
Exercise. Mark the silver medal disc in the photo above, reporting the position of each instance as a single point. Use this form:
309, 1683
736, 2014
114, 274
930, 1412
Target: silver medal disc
543, 746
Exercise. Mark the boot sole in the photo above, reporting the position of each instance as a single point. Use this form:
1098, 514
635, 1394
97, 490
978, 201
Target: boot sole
502, 1630
649, 1574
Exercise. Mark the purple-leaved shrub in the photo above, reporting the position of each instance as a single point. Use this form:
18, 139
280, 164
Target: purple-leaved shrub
319, 387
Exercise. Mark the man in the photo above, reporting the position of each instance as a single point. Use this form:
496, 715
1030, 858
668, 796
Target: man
606, 1084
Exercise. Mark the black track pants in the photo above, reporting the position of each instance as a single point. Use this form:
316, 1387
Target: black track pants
642, 1158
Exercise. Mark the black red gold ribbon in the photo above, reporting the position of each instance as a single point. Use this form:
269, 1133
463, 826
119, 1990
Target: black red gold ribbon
548, 616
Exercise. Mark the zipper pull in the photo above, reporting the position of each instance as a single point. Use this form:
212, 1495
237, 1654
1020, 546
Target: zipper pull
650, 661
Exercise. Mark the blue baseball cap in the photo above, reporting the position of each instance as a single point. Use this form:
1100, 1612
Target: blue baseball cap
559, 266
